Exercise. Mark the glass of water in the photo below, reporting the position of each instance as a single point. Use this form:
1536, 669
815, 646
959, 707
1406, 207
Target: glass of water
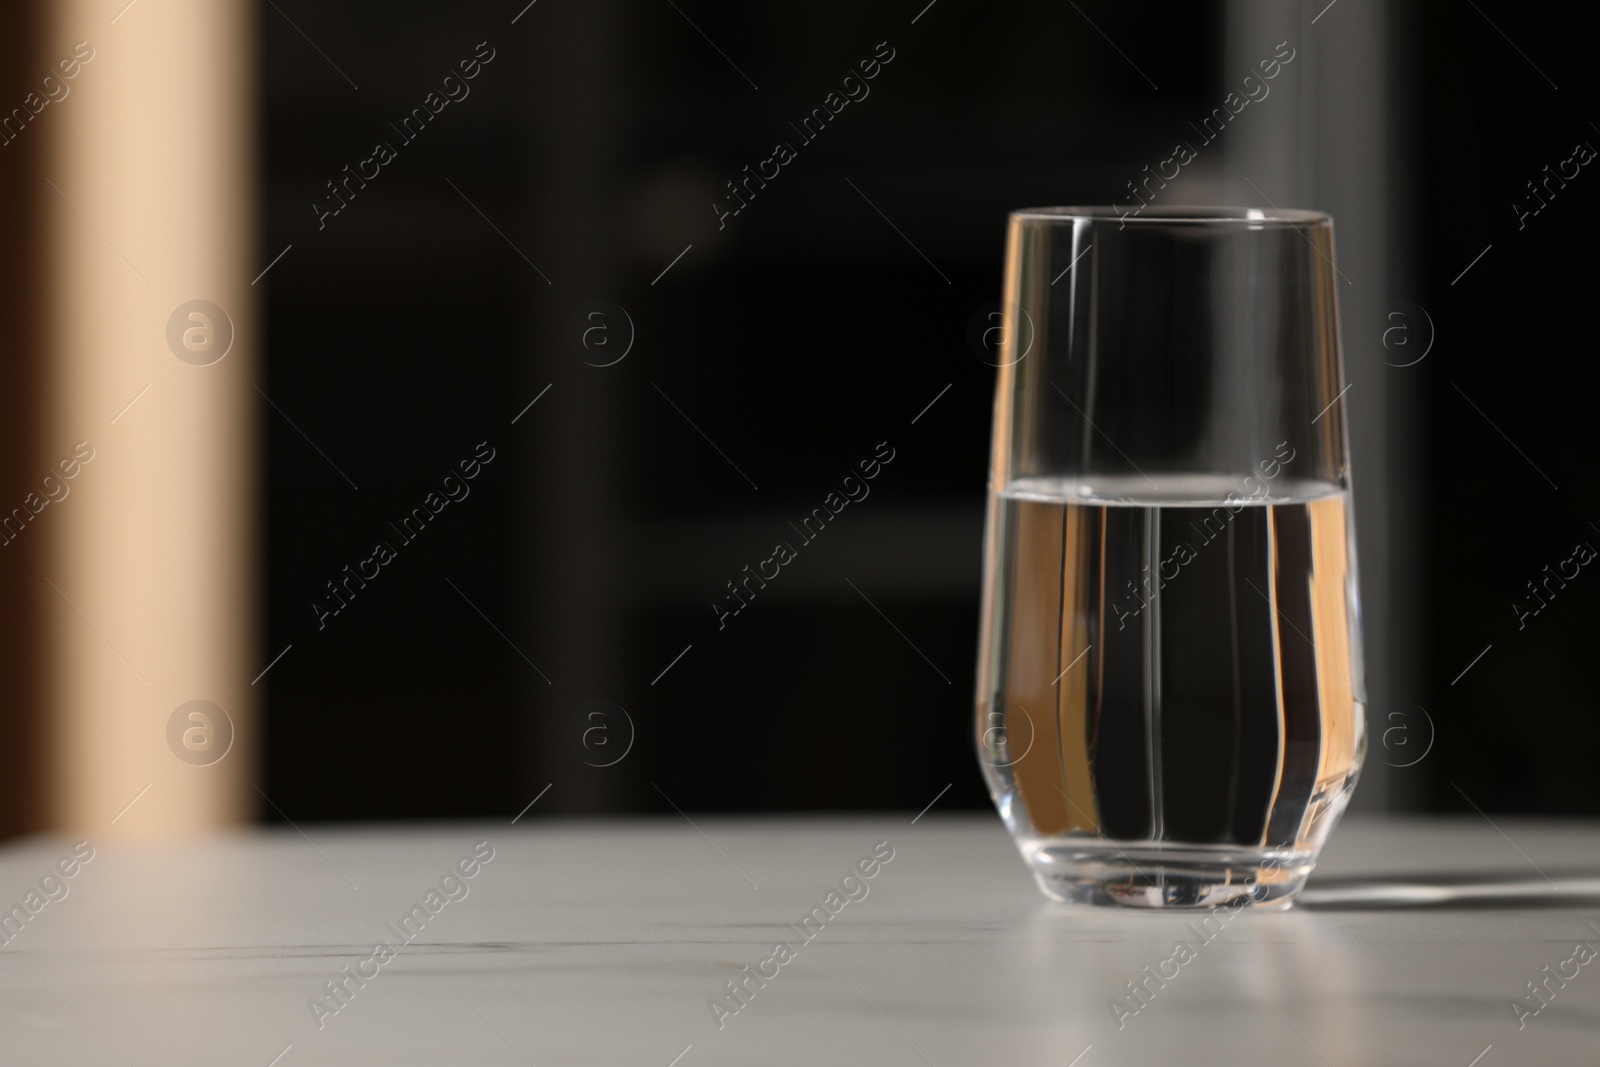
1170, 705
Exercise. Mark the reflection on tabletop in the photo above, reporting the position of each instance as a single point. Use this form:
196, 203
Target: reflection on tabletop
1461, 890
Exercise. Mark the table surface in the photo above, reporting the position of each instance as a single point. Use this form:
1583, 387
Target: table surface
587, 942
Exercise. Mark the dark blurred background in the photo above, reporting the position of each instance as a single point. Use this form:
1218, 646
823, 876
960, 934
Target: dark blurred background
579, 576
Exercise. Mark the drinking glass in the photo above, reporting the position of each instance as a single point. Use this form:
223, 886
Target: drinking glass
1170, 704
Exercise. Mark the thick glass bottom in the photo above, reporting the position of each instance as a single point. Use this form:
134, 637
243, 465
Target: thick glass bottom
1167, 876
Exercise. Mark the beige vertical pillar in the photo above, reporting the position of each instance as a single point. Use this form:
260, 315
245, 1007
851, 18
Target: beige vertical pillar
150, 318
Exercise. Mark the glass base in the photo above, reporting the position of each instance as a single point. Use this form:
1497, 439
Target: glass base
1171, 877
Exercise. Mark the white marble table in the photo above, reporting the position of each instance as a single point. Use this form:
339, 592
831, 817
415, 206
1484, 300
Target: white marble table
604, 942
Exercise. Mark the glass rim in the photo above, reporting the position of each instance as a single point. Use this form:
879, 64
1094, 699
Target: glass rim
1201, 215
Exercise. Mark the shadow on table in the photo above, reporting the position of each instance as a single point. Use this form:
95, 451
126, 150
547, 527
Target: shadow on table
1558, 889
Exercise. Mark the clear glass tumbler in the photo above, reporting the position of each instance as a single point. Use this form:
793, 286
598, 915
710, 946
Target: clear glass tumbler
1170, 705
